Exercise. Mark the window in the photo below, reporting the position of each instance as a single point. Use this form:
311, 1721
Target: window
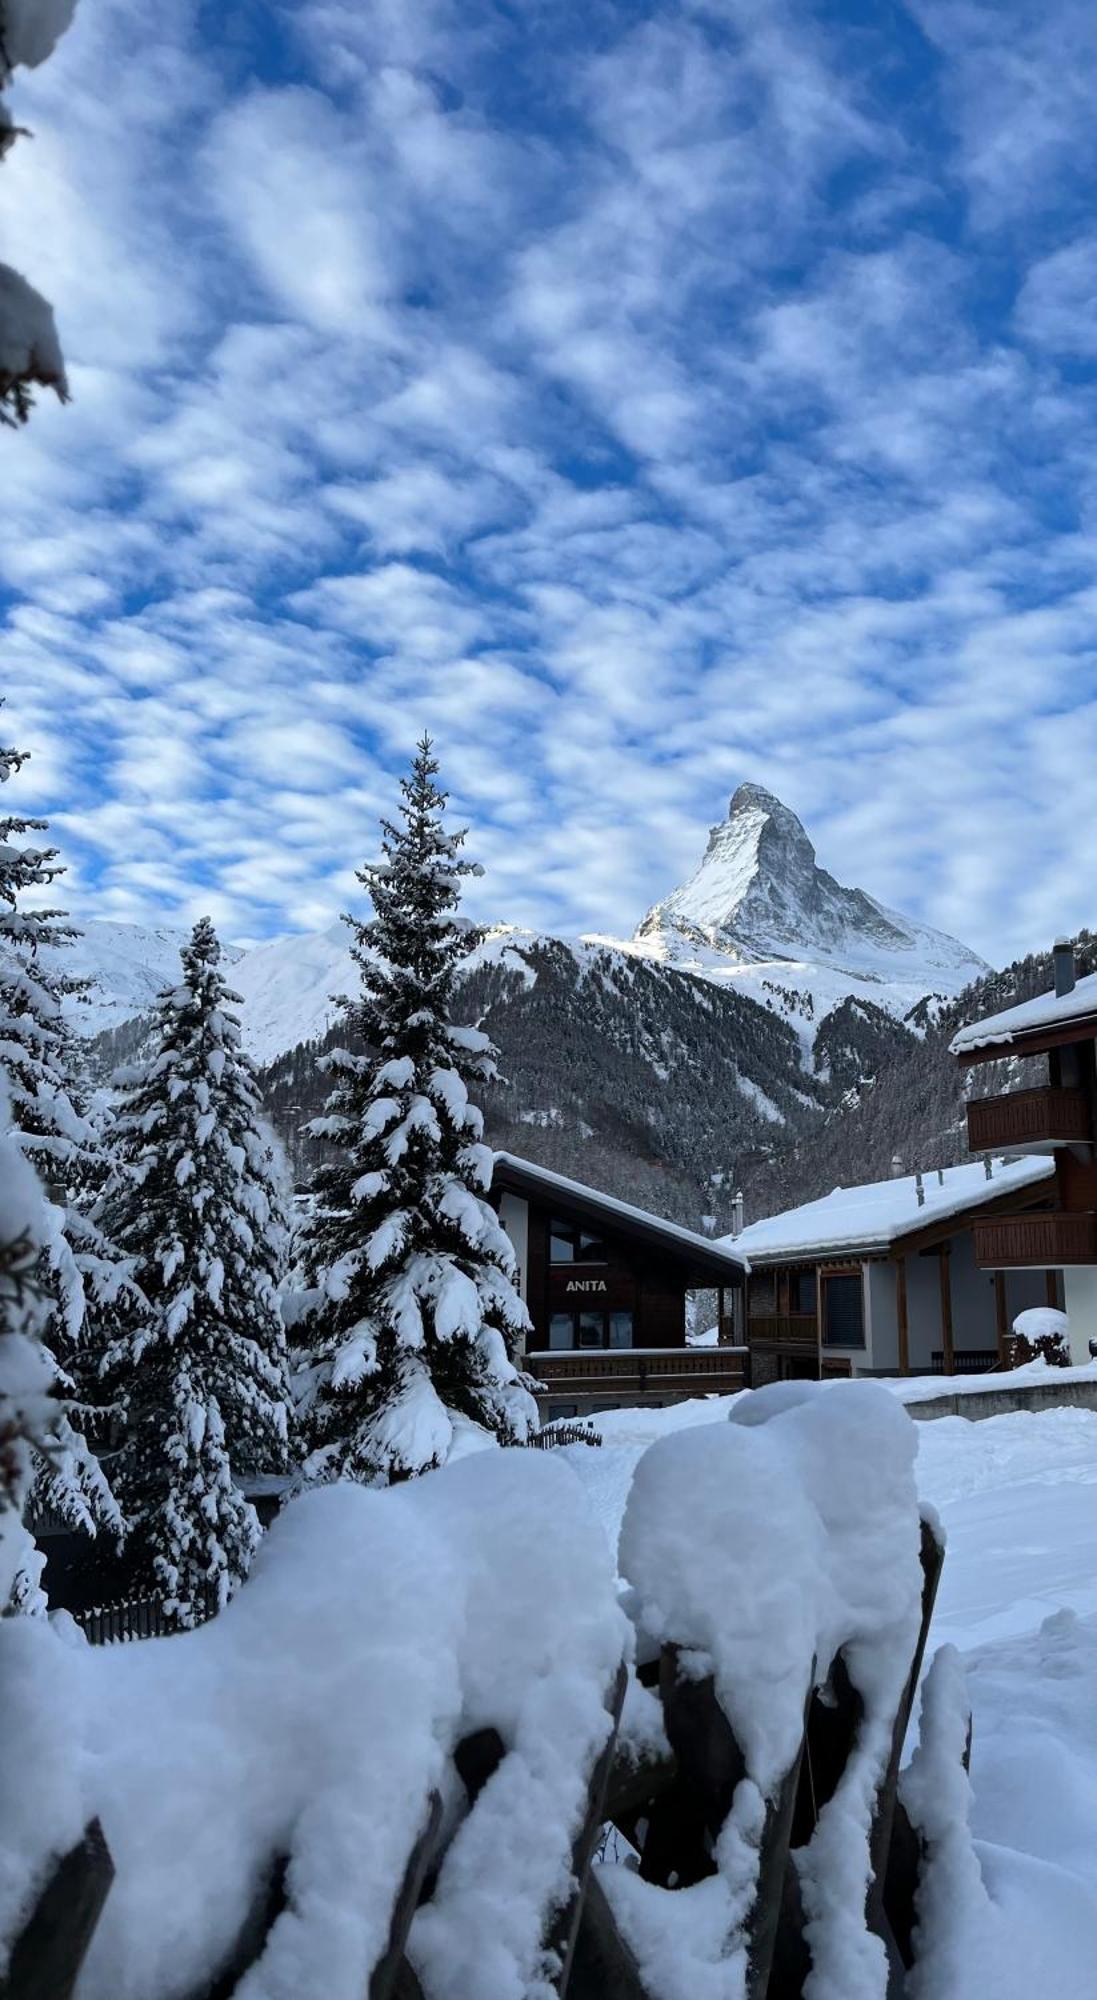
843, 1310
590, 1329
620, 1329
557, 1410
801, 1292
763, 1291
568, 1244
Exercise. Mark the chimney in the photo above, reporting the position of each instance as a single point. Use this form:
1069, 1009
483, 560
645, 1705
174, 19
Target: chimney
896, 1173
920, 1190
940, 1177
988, 1167
737, 1213
1062, 959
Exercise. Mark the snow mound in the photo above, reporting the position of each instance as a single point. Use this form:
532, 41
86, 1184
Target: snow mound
749, 1546
312, 1720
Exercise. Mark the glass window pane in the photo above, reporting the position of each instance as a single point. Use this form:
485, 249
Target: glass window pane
843, 1320
562, 1330
561, 1243
592, 1250
620, 1329
592, 1329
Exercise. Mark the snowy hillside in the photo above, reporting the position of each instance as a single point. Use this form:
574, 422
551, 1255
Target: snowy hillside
761, 914
126, 966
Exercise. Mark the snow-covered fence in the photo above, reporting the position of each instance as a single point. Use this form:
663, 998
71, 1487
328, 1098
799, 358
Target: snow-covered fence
554, 1435
386, 1767
132, 1618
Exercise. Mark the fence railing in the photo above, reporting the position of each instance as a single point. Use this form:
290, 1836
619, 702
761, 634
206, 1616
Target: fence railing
558, 1434
131, 1618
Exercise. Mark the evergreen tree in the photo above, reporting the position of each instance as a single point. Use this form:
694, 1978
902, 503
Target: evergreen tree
416, 1316
82, 1276
28, 1406
198, 1203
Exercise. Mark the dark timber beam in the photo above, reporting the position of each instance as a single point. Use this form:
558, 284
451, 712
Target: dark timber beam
1001, 1317
902, 1319
946, 1310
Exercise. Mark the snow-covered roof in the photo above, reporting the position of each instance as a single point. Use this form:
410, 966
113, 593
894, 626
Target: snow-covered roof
718, 1252
874, 1216
1048, 1010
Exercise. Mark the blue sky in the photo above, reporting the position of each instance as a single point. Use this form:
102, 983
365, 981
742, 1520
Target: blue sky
642, 398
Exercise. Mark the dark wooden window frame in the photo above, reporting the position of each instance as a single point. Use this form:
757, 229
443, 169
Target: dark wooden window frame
825, 1276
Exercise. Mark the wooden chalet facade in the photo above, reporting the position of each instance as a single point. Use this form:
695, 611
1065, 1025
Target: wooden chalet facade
605, 1285
884, 1279
1057, 1117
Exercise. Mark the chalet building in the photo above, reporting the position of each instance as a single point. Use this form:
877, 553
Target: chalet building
1056, 1117
605, 1285
885, 1279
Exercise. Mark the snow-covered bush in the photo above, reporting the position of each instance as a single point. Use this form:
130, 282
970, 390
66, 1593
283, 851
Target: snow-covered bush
201, 1375
30, 352
1041, 1333
416, 1317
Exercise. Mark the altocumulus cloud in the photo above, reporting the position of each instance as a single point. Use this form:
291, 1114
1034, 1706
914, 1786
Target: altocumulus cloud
641, 399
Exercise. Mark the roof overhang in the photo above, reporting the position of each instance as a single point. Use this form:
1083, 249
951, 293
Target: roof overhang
918, 1235
704, 1263
1034, 1041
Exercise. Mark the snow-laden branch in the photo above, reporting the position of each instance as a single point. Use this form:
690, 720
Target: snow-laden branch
30, 351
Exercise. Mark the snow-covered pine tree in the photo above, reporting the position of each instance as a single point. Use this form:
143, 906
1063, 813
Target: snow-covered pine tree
203, 1382
28, 1407
416, 1318
82, 1277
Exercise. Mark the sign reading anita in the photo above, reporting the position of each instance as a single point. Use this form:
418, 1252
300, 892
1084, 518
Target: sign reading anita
586, 1285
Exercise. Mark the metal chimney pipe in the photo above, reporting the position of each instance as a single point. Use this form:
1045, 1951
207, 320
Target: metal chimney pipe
920, 1190
1062, 959
897, 1169
737, 1213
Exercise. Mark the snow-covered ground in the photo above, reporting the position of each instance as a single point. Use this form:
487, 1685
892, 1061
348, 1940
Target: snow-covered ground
1017, 1495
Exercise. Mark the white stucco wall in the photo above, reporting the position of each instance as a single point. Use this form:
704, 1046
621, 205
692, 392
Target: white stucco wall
974, 1320
1080, 1303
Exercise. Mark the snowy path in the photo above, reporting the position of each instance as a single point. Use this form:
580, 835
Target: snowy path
1018, 1497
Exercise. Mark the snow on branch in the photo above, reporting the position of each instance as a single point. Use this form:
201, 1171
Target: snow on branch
30, 351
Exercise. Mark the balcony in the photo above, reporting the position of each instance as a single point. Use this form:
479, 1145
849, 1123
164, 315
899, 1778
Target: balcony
1046, 1240
1028, 1121
637, 1371
784, 1329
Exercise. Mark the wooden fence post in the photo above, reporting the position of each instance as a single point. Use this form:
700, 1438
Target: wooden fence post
51, 1948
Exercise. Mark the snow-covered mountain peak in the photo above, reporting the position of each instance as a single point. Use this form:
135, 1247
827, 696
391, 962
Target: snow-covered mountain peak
760, 894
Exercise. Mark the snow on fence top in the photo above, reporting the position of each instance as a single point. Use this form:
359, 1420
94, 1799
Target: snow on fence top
1048, 1010
873, 1216
403, 1733
762, 1548
312, 1719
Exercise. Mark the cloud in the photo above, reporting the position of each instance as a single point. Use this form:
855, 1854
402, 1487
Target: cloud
638, 403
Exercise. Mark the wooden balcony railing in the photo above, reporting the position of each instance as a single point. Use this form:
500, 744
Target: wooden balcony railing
1025, 1118
1048, 1240
800, 1328
634, 1370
